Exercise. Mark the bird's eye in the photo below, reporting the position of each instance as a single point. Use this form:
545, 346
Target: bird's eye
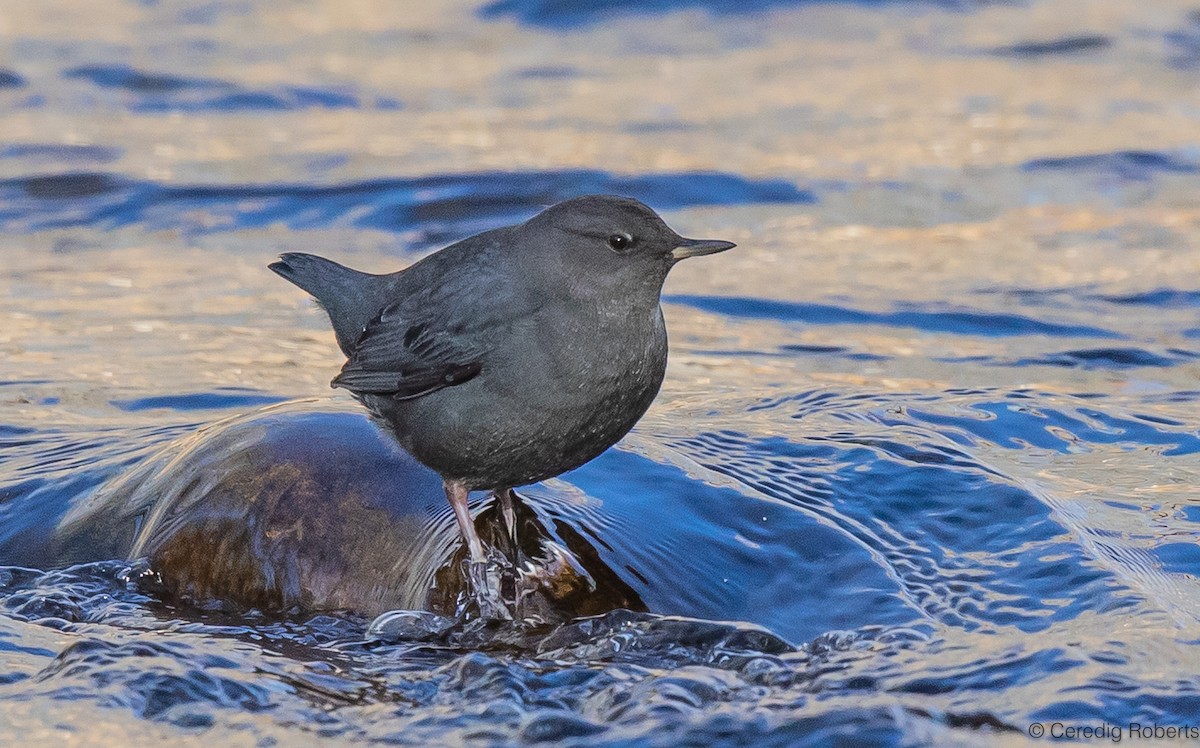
620, 242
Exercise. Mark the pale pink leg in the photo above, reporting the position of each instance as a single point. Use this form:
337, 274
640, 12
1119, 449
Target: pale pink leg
456, 492
488, 599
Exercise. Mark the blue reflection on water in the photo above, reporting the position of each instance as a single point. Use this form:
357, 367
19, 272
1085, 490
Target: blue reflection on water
443, 206
1136, 166
957, 321
164, 92
198, 401
568, 14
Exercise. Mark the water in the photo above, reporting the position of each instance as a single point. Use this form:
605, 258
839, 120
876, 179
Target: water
924, 470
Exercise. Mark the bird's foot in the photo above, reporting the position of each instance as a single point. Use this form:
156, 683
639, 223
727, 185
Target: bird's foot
485, 582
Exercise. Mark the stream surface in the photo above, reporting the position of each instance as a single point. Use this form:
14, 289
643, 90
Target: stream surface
927, 460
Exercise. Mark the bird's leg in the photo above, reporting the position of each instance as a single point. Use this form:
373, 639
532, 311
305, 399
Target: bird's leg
509, 583
505, 497
456, 492
488, 599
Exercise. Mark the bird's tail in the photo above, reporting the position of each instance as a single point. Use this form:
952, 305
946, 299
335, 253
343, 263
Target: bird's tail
350, 297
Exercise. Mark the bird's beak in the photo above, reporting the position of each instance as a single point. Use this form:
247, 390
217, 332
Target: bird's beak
699, 247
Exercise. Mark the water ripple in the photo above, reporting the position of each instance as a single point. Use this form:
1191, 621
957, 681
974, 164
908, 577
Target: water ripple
957, 321
163, 92
1066, 45
442, 207
570, 14
198, 401
1137, 166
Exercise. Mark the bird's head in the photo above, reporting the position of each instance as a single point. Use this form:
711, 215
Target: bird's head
616, 237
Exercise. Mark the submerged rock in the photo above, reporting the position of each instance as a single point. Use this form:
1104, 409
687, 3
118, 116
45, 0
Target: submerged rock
308, 506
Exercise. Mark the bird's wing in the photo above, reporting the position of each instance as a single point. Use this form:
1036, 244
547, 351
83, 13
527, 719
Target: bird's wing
407, 356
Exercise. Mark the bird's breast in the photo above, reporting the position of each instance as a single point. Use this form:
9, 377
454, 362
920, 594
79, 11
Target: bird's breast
554, 398
606, 353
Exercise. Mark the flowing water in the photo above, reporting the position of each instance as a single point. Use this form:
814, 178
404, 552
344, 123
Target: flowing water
925, 467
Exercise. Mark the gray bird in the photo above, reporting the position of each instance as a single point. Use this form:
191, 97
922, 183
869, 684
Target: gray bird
513, 355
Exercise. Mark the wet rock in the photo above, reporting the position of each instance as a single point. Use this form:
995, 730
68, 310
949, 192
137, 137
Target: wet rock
308, 507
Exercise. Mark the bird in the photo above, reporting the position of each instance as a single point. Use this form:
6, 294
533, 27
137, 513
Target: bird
511, 356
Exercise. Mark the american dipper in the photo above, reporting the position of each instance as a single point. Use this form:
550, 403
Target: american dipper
513, 355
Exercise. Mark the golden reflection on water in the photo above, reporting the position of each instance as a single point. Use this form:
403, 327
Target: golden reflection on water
824, 92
